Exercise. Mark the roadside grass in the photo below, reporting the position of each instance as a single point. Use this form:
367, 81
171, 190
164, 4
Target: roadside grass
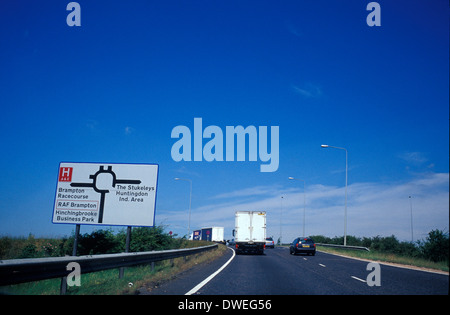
107, 282
388, 258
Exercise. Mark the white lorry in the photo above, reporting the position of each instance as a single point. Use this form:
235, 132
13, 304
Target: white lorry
213, 234
250, 232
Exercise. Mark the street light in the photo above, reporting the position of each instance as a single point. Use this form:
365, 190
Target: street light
410, 204
346, 177
304, 201
190, 200
281, 220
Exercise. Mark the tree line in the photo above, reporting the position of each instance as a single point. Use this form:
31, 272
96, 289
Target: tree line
103, 241
434, 247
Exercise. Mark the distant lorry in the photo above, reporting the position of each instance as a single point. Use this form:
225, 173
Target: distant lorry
213, 234
196, 235
250, 232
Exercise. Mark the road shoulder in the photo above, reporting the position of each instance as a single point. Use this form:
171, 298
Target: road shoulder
391, 264
184, 281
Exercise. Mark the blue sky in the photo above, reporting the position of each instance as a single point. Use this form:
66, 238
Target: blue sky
113, 89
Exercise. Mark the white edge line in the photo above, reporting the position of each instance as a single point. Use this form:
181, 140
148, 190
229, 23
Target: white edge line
201, 284
356, 278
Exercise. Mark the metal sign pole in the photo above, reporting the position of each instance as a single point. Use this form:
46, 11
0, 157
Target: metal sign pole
127, 249
63, 288
75, 241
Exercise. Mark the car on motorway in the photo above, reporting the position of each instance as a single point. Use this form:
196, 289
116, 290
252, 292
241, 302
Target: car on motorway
303, 245
269, 242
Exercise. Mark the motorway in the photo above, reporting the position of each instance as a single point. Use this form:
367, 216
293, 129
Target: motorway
279, 273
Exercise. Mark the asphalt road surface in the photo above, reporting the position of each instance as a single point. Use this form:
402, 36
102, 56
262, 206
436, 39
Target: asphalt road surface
279, 273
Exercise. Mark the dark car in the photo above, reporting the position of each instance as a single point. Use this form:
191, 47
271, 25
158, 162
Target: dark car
303, 245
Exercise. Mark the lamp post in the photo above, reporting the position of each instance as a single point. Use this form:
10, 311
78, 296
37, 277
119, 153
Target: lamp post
304, 201
190, 201
281, 220
346, 177
410, 204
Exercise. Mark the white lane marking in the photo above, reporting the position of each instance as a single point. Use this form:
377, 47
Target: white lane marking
304, 258
201, 284
322, 265
356, 278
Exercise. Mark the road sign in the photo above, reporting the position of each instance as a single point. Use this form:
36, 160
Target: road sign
106, 194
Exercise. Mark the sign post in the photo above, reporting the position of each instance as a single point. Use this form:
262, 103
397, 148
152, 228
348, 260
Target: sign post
127, 249
106, 194
63, 288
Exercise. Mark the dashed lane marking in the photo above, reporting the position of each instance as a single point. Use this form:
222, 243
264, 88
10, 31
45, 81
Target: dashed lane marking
356, 278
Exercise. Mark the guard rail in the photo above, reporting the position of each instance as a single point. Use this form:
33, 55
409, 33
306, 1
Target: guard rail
344, 246
15, 271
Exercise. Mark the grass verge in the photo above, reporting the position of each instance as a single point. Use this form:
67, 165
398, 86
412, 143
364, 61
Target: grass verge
388, 258
107, 282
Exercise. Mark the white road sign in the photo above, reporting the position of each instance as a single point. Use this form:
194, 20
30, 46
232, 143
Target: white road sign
106, 194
